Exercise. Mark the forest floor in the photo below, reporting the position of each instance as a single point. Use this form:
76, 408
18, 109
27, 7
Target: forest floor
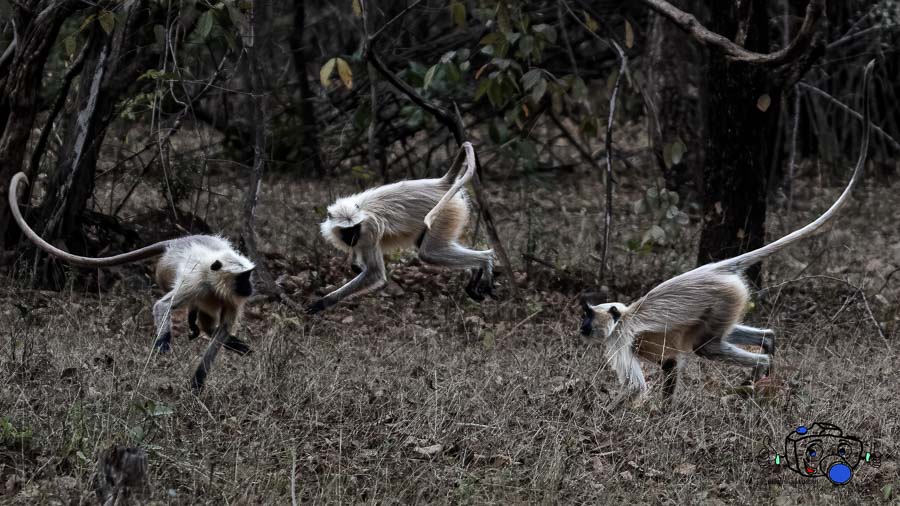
415, 394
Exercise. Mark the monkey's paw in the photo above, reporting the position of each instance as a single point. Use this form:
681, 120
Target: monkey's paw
315, 307
163, 344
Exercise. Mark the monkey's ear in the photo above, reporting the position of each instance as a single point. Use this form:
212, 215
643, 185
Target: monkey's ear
216, 265
614, 311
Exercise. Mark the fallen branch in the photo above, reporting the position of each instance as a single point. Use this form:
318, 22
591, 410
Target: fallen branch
815, 9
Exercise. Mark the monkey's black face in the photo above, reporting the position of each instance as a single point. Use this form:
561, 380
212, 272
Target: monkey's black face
587, 320
350, 235
242, 284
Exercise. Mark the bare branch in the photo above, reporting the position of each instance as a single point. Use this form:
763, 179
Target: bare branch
607, 218
844, 107
687, 22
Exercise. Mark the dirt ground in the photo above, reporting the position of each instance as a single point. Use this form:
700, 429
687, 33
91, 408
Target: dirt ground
415, 394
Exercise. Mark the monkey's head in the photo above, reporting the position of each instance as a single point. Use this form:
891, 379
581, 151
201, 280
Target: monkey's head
602, 318
229, 274
343, 226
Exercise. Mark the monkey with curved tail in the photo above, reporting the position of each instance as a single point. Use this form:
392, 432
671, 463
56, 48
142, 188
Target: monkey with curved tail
203, 273
700, 311
427, 213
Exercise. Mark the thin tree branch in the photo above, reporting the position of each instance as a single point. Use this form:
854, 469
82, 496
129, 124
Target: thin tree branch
792, 158
58, 104
815, 9
844, 107
607, 219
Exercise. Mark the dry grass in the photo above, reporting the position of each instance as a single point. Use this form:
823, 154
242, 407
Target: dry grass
416, 395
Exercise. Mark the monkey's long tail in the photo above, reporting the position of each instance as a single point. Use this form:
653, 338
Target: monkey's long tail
741, 262
133, 256
461, 180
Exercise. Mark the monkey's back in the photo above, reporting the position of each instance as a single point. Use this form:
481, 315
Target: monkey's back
702, 303
400, 209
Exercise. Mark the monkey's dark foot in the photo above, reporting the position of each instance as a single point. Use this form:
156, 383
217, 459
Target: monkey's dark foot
474, 288
192, 324
236, 345
198, 380
164, 343
317, 306
486, 287
473, 293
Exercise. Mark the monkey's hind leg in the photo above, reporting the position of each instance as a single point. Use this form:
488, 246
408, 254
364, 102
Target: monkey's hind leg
670, 378
752, 336
438, 251
723, 351
162, 319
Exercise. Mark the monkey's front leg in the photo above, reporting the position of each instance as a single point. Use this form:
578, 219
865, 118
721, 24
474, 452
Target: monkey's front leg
371, 278
219, 337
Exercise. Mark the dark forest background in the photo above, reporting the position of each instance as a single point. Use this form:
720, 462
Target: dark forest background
619, 143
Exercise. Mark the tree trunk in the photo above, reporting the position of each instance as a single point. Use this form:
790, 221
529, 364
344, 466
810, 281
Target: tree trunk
37, 31
739, 140
112, 65
309, 132
674, 82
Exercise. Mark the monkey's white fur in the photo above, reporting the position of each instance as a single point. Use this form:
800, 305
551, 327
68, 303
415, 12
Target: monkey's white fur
201, 272
428, 213
699, 311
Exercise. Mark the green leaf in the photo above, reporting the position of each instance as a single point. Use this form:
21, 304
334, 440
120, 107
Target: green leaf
887, 492
590, 22
326, 70
205, 24
429, 76
629, 35
345, 73
763, 102
503, 20
579, 89
483, 87
538, 92
87, 21
70, 45
452, 72
458, 14
546, 31
678, 151
107, 21
526, 44
159, 410
357, 8
530, 78
491, 39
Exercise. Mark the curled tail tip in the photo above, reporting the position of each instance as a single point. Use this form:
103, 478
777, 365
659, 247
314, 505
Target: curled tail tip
18, 177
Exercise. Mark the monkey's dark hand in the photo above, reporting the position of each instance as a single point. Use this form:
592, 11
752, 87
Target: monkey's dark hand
356, 269
317, 306
236, 345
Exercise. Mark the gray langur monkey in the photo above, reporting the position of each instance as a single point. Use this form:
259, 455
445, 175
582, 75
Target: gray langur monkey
201, 272
700, 311
430, 214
